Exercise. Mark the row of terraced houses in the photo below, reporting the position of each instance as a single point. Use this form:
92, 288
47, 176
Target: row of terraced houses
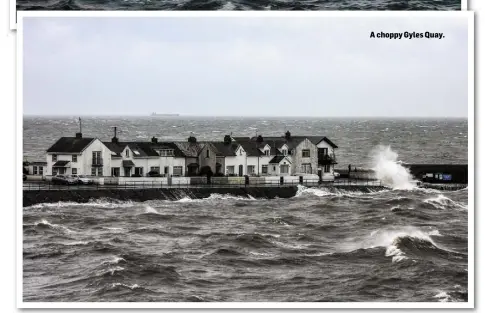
233, 156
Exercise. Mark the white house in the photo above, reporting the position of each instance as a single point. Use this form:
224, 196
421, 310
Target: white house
78, 155
235, 156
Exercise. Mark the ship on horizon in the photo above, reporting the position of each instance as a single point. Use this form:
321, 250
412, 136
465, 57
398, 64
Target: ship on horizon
163, 114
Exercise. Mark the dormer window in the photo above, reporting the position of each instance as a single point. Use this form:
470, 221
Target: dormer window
166, 152
285, 152
267, 152
74, 158
54, 158
127, 153
207, 153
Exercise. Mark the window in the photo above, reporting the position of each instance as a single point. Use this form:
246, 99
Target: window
93, 171
207, 153
54, 158
326, 168
166, 170
306, 168
230, 169
155, 169
264, 169
274, 168
139, 171
177, 170
240, 151
305, 153
136, 152
250, 169
41, 170
115, 171
96, 171
284, 169
127, 153
285, 152
267, 152
166, 152
74, 171
97, 158
54, 171
74, 158
34, 170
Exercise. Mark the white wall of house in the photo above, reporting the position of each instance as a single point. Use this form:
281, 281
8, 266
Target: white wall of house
171, 162
37, 169
259, 161
298, 160
60, 157
84, 162
329, 175
239, 159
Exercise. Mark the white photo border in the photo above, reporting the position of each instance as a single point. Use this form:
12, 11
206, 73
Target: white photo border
14, 17
248, 305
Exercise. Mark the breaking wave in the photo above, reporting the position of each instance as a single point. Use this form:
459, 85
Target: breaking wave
442, 202
389, 170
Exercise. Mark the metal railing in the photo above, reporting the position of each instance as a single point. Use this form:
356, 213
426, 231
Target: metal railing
48, 185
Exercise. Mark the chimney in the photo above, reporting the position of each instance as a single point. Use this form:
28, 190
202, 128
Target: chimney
154, 139
192, 139
114, 139
227, 139
259, 139
288, 135
80, 134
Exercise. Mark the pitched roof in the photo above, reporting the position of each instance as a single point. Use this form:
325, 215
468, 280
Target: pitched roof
190, 149
277, 159
251, 148
224, 149
295, 141
70, 145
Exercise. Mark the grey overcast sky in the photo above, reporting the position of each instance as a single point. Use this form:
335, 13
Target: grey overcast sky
244, 66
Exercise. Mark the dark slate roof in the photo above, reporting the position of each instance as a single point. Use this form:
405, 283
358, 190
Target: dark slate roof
251, 148
295, 141
190, 149
114, 147
60, 163
128, 163
224, 149
143, 148
277, 159
70, 145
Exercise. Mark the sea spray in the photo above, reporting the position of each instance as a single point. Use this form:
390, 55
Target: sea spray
389, 171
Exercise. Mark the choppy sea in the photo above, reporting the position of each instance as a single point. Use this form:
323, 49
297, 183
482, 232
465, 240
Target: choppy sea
321, 245
239, 5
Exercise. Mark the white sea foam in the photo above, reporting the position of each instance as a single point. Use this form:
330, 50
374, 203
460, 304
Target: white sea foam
442, 202
55, 226
388, 237
115, 260
134, 286
93, 203
149, 209
443, 297
325, 192
389, 170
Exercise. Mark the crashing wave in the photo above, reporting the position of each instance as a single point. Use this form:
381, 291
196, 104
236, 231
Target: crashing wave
442, 202
390, 171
